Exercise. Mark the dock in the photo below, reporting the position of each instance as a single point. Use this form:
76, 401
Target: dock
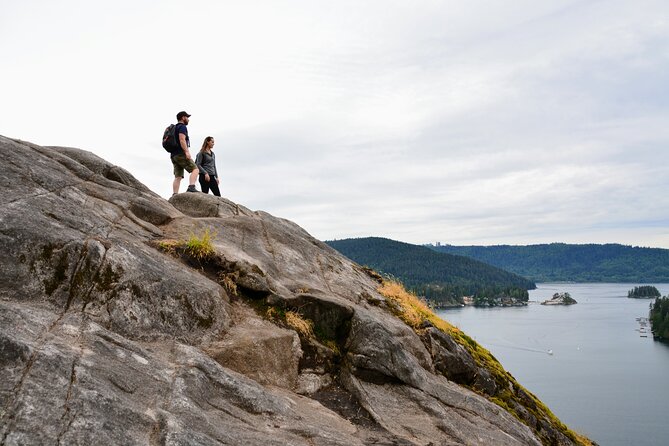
644, 328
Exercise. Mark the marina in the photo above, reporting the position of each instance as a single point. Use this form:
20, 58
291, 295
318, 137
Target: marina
644, 327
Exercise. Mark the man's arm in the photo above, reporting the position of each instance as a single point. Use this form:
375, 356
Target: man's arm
184, 146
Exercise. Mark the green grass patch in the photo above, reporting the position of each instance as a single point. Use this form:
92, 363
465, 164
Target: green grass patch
201, 247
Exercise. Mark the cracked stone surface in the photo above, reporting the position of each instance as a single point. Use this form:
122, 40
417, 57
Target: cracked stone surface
107, 339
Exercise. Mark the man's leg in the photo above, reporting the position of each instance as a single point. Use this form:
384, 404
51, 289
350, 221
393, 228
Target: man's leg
193, 177
175, 185
178, 174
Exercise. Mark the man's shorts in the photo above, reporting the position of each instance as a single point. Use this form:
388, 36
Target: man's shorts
180, 163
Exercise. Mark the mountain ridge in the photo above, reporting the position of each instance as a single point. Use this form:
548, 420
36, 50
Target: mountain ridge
557, 262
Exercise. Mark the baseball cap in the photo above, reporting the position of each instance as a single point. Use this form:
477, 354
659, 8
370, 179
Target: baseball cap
181, 114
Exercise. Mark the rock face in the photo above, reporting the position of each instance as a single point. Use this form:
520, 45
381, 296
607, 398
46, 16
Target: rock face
110, 333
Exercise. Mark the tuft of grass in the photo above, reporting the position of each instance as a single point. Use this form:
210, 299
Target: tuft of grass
169, 246
274, 313
412, 310
332, 345
291, 318
201, 247
303, 326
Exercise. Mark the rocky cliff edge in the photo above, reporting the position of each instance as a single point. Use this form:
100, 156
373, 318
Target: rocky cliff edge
112, 332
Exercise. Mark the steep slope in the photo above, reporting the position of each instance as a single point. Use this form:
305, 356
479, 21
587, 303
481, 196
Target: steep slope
112, 332
578, 263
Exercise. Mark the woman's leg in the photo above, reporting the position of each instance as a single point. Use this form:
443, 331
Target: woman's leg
204, 184
214, 186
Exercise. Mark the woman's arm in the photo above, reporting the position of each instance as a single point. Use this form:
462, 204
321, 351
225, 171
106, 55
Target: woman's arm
198, 162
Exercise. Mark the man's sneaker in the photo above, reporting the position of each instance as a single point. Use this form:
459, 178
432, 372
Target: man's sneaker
191, 188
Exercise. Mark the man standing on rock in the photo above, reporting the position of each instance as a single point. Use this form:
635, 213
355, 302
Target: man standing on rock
181, 157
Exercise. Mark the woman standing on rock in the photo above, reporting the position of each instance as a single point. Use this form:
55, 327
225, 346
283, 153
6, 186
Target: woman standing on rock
206, 162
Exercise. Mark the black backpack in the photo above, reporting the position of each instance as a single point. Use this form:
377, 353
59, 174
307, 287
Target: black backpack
170, 142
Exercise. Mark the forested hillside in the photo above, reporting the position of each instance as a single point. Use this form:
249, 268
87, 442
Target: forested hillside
659, 318
442, 278
577, 263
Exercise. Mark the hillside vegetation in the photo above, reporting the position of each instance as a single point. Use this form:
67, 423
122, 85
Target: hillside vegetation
559, 262
659, 318
441, 278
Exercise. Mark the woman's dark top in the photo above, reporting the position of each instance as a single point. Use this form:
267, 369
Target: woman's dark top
206, 163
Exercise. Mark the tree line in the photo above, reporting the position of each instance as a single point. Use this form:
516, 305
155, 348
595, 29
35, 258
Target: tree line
644, 292
577, 263
443, 279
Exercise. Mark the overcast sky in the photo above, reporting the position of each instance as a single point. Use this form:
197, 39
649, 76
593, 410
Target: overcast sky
464, 122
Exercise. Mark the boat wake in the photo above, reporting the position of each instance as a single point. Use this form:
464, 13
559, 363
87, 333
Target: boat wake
521, 347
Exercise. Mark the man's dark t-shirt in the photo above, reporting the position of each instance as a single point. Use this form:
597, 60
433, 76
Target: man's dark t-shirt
180, 128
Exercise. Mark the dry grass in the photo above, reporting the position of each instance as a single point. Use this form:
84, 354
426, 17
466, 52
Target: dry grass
169, 246
272, 313
228, 283
301, 325
410, 308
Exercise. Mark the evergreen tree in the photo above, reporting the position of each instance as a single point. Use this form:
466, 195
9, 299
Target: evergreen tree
659, 318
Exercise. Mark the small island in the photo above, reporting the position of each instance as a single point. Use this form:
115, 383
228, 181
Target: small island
560, 299
643, 292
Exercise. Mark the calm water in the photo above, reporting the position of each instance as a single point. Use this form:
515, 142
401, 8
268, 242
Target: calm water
603, 379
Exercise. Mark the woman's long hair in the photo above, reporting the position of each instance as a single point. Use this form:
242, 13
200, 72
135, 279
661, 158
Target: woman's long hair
206, 141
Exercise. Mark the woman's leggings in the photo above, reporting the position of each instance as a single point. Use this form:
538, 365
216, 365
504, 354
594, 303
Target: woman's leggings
211, 184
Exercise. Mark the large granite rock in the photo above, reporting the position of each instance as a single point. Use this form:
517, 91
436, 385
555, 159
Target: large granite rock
260, 350
109, 335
